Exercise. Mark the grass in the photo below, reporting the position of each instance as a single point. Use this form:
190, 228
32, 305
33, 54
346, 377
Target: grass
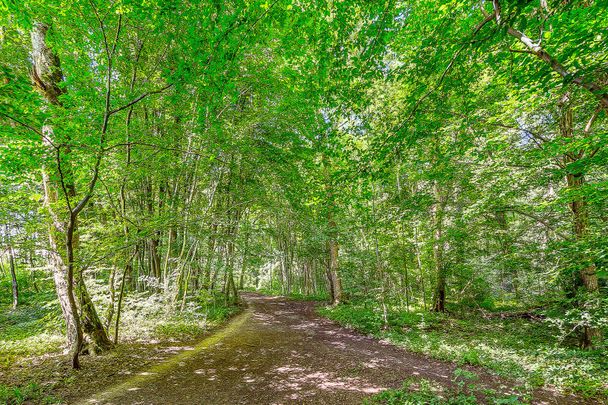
208, 312
25, 394
515, 348
464, 392
33, 334
34, 327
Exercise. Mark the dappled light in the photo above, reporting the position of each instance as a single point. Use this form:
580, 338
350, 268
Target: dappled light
303, 201
270, 358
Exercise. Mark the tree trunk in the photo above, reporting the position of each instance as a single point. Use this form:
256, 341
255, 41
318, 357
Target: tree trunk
110, 310
244, 263
128, 269
439, 297
63, 231
11, 259
419, 266
333, 272
46, 75
575, 180
91, 324
406, 282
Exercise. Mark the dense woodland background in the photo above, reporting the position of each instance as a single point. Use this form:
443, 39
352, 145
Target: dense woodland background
394, 157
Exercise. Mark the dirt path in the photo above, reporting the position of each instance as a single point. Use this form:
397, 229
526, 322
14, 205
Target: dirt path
279, 352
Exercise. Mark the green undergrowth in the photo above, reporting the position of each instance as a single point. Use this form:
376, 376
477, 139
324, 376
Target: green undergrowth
26, 394
465, 391
34, 327
155, 316
515, 348
207, 312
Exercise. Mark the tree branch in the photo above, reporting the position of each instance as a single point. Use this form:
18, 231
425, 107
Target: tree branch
138, 99
537, 50
23, 124
537, 219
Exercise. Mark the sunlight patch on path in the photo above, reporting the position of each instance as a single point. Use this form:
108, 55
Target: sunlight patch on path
138, 381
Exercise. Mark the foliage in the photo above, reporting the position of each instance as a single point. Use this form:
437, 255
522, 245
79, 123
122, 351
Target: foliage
512, 347
389, 154
25, 394
465, 391
34, 328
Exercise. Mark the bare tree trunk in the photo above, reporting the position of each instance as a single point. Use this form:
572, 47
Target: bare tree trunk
439, 297
406, 281
63, 232
419, 266
11, 260
47, 75
110, 310
91, 324
244, 263
333, 272
580, 218
125, 273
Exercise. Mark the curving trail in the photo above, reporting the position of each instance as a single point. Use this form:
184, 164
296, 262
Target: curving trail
279, 352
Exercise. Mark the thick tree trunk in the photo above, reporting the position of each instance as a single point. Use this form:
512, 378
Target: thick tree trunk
46, 75
67, 302
580, 217
63, 231
91, 324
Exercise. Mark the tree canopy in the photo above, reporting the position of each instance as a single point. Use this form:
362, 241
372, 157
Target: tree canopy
424, 154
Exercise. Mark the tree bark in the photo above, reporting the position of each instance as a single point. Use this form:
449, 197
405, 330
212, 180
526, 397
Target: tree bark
333, 271
91, 324
333, 274
580, 218
128, 269
63, 230
11, 260
46, 75
419, 266
439, 297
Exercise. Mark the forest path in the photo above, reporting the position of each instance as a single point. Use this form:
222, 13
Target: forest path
279, 352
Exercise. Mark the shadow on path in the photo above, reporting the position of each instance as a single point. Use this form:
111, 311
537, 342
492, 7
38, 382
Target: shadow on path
279, 352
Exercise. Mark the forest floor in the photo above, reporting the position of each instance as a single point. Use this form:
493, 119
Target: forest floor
279, 351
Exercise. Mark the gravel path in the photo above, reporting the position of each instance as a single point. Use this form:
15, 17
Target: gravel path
279, 352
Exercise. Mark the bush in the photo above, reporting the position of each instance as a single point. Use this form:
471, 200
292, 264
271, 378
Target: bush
19, 395
414, 392
512, 347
